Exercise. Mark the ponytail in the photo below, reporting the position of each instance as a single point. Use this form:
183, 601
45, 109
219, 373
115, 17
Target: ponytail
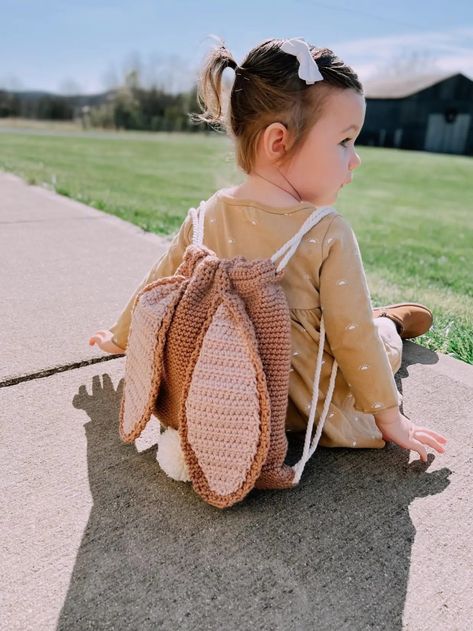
209, 92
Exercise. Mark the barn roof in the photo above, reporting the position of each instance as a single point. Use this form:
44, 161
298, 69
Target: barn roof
400, 87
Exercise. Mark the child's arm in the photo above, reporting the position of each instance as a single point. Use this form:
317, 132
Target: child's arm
395, 427
115, 339
355, 342
352, 335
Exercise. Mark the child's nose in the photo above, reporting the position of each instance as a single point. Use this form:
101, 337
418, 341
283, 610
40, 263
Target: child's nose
355, 162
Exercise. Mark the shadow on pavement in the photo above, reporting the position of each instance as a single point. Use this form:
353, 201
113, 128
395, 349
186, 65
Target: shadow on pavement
413, 354
332, 553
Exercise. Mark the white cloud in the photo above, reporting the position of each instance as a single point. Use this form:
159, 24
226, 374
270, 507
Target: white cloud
445, 50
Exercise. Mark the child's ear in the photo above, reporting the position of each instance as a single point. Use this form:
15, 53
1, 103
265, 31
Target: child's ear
275, 141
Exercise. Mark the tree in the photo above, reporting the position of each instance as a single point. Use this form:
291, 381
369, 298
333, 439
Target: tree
408, 64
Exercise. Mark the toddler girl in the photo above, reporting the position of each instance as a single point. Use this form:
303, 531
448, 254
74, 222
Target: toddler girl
294, 114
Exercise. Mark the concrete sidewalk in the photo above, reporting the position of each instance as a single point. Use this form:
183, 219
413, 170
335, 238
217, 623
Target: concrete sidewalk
96, 536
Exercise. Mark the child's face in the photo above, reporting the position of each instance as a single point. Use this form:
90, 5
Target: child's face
323, 164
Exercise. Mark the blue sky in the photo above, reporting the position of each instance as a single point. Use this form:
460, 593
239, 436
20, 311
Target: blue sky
87, 44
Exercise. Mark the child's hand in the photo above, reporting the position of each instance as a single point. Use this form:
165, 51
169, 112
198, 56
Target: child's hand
104, 340
400, 430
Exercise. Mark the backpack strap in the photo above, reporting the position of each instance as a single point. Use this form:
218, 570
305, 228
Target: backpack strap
289, 248
198, 215
286, 251
309, 449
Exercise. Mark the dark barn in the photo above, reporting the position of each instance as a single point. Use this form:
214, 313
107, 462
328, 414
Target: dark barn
425, 113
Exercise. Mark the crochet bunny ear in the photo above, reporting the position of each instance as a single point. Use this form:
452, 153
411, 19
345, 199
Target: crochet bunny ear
151, 317
225, 419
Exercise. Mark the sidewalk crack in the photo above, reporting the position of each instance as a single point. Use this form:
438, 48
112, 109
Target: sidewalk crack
13, 381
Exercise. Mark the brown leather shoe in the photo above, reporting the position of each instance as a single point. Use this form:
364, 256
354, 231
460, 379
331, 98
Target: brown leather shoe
411, 318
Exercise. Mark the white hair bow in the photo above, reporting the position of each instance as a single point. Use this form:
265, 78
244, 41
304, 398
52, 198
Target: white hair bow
308, 69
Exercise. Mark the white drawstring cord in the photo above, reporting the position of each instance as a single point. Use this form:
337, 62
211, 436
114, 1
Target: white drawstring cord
291, 246
198, 223
307, 453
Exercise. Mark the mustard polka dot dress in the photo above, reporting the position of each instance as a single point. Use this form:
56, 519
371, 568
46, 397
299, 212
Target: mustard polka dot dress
326, 275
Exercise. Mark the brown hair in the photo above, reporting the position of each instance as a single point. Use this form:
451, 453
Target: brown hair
267, 88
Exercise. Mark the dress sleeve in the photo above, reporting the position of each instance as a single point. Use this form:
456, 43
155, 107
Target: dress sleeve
166, 265
350, 330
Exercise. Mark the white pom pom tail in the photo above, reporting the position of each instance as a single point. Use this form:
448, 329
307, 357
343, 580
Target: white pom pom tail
171, 457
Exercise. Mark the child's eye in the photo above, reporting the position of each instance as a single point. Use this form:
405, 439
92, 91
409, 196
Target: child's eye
344, 141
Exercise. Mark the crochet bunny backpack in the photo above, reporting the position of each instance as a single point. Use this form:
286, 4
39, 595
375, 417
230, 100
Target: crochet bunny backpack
209, 353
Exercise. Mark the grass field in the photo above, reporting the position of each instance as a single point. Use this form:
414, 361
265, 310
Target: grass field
412, 211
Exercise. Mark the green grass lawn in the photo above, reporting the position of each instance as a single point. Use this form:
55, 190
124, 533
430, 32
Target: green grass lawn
411, 211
